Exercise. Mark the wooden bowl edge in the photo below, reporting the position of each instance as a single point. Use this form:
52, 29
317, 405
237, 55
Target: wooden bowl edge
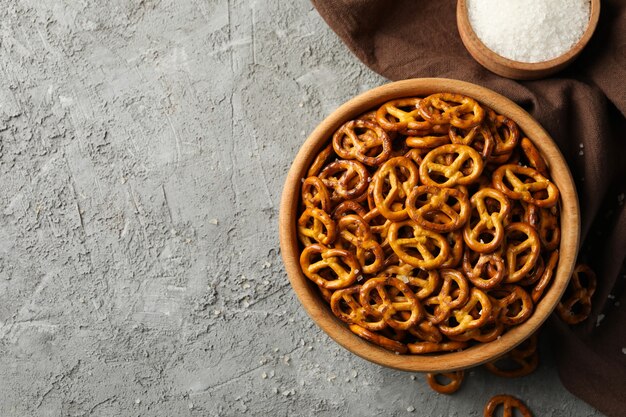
476, 355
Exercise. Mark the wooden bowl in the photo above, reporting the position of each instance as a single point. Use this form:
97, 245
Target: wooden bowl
514, 69
307, 291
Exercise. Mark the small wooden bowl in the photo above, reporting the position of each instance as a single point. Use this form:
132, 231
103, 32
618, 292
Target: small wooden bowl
514, 69
307, 291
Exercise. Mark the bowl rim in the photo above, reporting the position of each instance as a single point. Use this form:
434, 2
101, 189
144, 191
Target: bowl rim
319, 310
517, 69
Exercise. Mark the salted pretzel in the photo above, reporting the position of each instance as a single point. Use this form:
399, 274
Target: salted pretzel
430, 207
419, 348
522, 250
422, 248
488, 332
389, 307
546, 277
423, 283
513, 303
430, 225
450, 165
379, 339
452, 385
509, 404
458, 110
427, 332
489, 220
348, 207
484, 270
354, 231
427, 141
417, 155
401, 115
392, 184
364, 141
474, 314
347, 179
320, 160
345, 305
535, 160
329, 268
505, 132
315, 194
575, 305
454, 293
315, 225
478, 137
507, 179
549, 229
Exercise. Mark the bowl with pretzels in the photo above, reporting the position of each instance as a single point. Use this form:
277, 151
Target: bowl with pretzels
429, 225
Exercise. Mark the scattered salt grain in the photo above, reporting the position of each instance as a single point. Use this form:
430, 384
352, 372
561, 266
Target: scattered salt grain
581, 145
624, 350
412, 377
611, 297
214, 221
529, 30
264, 375
620, 199
599, 319
581, 153
410, 409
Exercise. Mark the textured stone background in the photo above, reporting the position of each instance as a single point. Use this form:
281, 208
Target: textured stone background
143, 146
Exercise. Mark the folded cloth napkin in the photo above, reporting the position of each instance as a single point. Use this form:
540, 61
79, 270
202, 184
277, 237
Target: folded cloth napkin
582, 107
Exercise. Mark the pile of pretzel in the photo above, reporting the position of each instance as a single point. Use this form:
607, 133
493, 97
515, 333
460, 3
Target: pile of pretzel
429, 224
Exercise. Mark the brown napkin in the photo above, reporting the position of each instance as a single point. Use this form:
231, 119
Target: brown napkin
582, 108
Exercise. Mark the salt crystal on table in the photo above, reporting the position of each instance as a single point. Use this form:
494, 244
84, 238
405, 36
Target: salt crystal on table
600, 318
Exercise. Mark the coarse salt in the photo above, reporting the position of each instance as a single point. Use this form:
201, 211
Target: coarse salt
529, 30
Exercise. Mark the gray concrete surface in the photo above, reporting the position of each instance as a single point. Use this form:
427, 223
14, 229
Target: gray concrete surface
143, 146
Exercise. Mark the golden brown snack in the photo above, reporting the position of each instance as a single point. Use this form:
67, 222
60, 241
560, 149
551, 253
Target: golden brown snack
509, 404
575, 305
452, 385
429, 225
